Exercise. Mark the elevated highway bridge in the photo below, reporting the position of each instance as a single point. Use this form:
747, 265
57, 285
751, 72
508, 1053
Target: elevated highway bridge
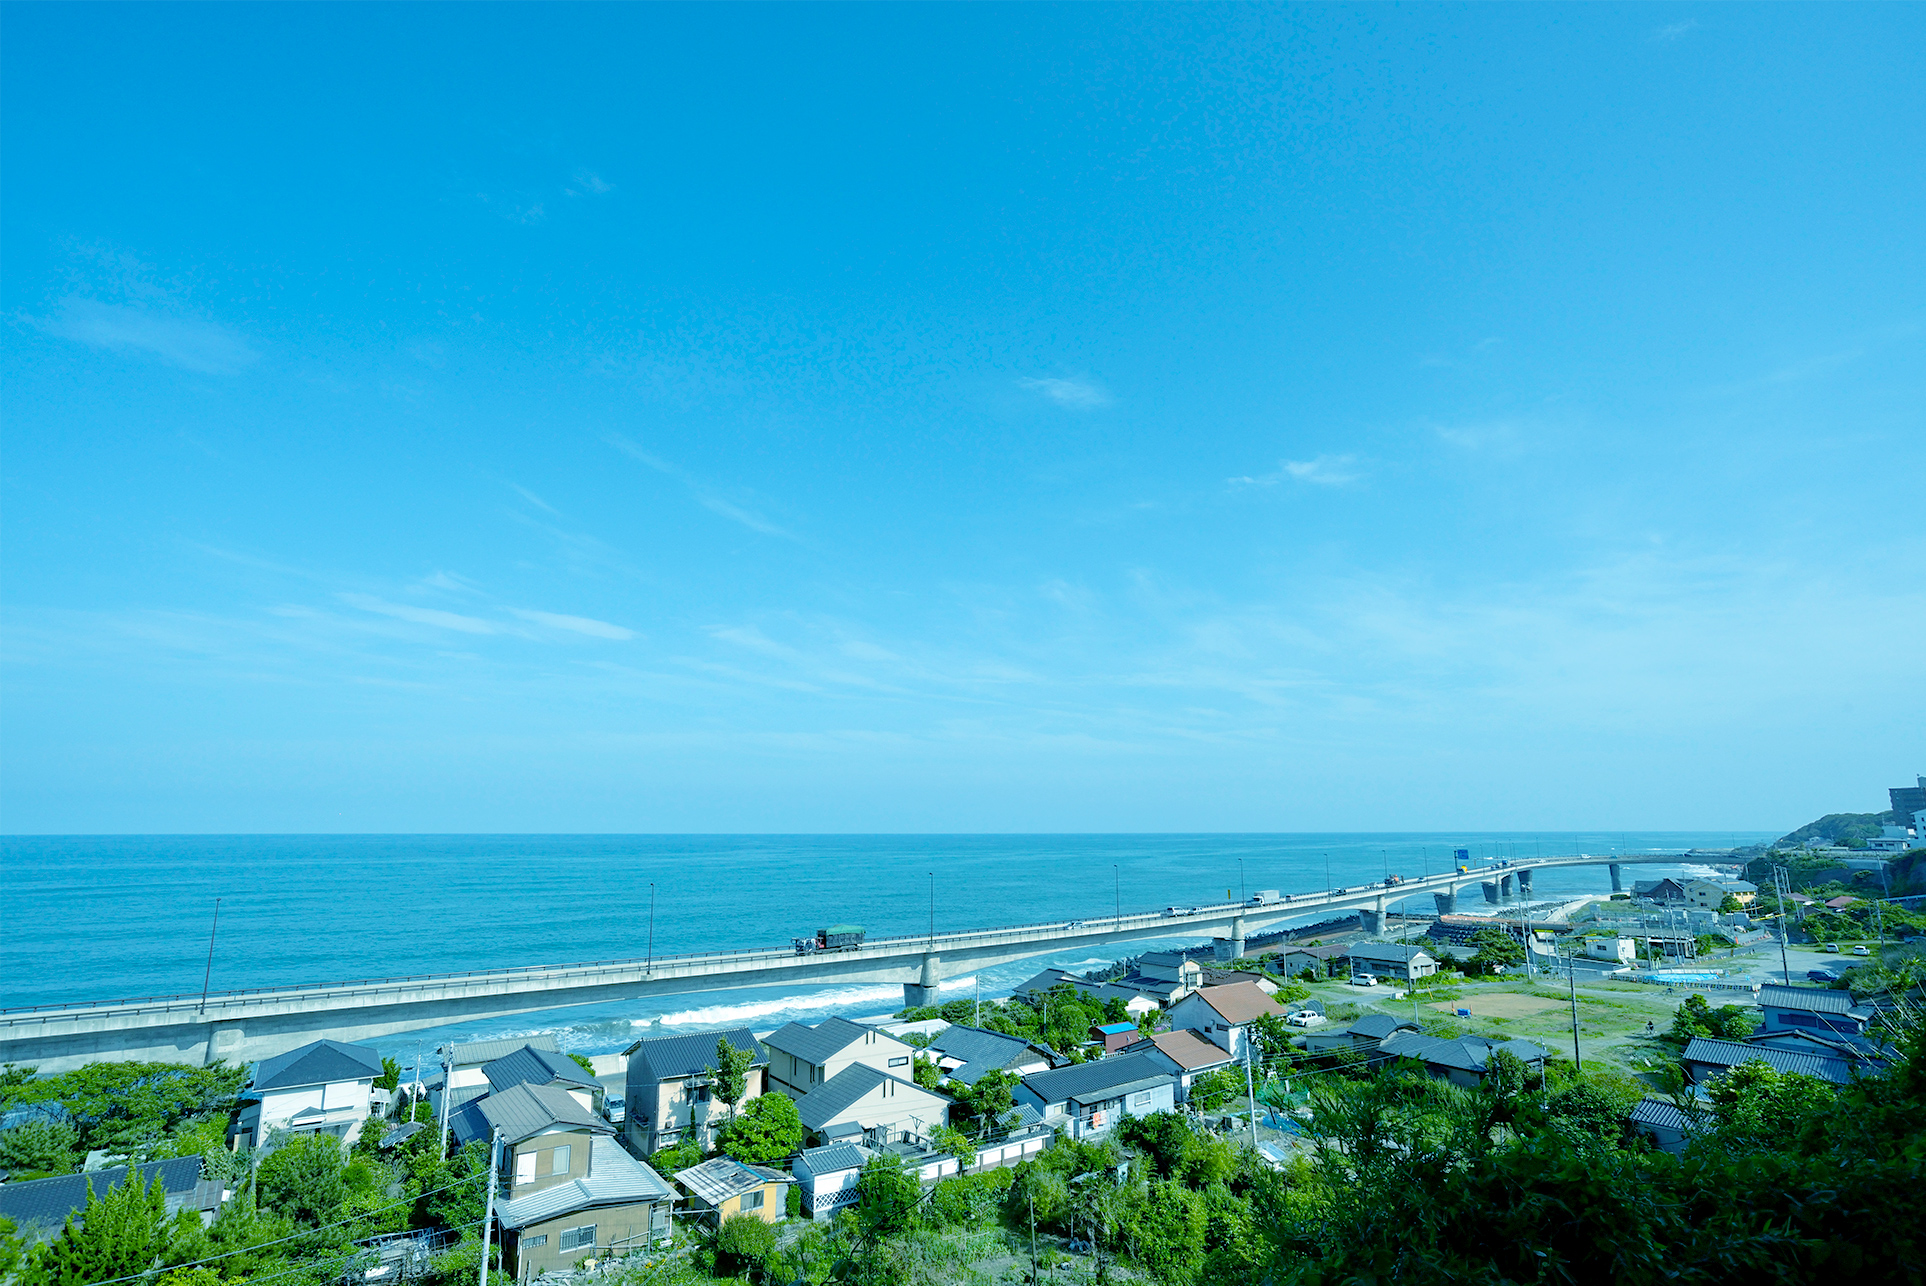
241, 1026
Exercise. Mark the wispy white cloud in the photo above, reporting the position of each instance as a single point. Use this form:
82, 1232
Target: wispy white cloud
534, 499
452, 581
1673, 31
576, 624
703, 494
419, 615
1324, 471
588, 183
188, 342
1491, 435
1076, 394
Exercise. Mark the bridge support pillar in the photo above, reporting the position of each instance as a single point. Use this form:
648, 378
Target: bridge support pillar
1524, 883
222, 1042
1491, 891
1504, 886
1447, 902
1618, 880
923, 991
1237, 937
1371, 919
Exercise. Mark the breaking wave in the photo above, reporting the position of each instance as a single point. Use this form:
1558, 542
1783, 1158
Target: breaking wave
752, 1013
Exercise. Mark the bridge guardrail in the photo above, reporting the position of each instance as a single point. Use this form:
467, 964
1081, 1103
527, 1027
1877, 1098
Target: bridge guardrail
561, 972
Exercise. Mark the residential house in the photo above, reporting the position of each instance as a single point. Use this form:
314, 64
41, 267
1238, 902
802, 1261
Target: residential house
1841, 902
862, 1104
324, 1087
827, 1176
1191, 1055
1661, 1121
616, 1205
1156, 978
669, 1083
1463, 1061
1666, 892
801, 1058
1360, 1036
1865, 1052
466, 1063
1090, 1098
1392, 960
1116, 1036
1044, 982
1812, 1008
531, 1065
1224, 977
1707, 895
965, 1053
1326, 962
39, 1207
1707, 1059
567, 1189
725, 1186
1221, 1015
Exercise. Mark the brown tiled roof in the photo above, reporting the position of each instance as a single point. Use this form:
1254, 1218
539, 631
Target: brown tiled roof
1239, 1002
1188, 1050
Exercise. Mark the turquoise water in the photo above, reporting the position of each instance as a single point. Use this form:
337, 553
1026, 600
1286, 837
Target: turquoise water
100, 917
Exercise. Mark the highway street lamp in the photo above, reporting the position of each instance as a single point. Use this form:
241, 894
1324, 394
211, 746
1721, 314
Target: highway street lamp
1243, 894
1117, 880
1327, 877
651, 964
932, 910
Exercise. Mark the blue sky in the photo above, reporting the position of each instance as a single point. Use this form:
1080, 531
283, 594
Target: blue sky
961, 418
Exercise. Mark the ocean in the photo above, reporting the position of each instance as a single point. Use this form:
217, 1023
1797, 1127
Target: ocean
107, 917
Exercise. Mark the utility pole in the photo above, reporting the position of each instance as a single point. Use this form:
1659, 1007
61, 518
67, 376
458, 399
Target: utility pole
447, 1092
1571, 977
488, 1219
1782, 885
1250, 1085
208, 976
1030, 1197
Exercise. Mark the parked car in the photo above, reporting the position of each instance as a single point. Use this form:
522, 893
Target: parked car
1861, 951
1304, 1018
1819, 975
1830, 946
1363, 980
615, 1110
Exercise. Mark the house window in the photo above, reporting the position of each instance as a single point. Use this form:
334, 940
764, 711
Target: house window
525, 1168
559, 1165
1140, 1101
576, 1238
899, 1062
532, 1243
752, 1200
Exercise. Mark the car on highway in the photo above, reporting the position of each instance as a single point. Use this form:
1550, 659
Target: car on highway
1335, 892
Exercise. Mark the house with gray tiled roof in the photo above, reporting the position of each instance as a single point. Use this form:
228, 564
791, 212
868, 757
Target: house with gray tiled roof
1820, 1009
802, 1057
39, 1207
862, 1104
827, 1176
1706, 1059
607, 1204
669, 1087
324, 1087
1091, 1098
1463, 1060
964, 1053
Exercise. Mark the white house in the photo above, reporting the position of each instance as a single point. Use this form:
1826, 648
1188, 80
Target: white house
1221, 1014
801, 1058
862, 1104
1623, 950
322, 1088
1091, 1098
1707, 895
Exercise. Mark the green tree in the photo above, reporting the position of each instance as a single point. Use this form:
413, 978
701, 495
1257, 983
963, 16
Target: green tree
1215, 1088
730, 1073
766, 1132
118, 1235
39, 1147
1271, 1039
129, 1107
1166, 1233
744, 1244
303, 1179
678, 1156
1759, 1108
951, 1141
1730, 905
390, 1077
245, 1240
984, 1103
925, 1072
1696, 1017
1497, 950
886, 1196
582, 1061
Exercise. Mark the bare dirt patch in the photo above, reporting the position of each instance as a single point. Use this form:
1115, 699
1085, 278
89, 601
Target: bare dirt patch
1502, 1005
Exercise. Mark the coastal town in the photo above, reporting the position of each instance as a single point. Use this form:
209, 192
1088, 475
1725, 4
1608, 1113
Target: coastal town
770, 1154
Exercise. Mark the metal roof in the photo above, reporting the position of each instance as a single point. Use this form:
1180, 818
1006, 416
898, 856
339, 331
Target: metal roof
1379, 1026
1465, 1054
46, 1203
614, 1178
1238, 1002
1398, 951
717, 1180
1813, 1000
1732, 1053
531, 1066
665, 1058
487, 1051
817, 1044
1660, 1114
1116, 1029
980, 1051
1111, 1076
320, 1062
523, 1111
835, 1095
1189, 1050
831, 1158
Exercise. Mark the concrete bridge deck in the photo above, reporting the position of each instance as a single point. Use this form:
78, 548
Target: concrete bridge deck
261, 1022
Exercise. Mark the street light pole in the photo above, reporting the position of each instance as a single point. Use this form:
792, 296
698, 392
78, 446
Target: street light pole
1243, 893
932, 910
651, 924
208, 976
1117, 879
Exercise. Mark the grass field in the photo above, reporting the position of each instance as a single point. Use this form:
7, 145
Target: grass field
1503, 1004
